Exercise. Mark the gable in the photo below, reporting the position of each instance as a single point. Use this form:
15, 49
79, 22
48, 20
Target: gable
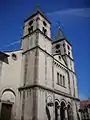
60, 59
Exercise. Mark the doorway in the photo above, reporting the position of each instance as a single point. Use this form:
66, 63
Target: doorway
6, 111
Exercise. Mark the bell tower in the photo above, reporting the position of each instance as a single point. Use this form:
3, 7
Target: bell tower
36, 22
37, 66
61, 46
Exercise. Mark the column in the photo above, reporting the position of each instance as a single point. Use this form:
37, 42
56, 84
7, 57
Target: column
66, 116
59, 118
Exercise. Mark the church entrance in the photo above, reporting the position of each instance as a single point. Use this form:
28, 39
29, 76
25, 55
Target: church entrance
6, 111
62, 111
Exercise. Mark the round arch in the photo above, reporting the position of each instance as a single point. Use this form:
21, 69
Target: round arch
56, 100
57, 106
63, 106
63, 100
8, 94
8, 89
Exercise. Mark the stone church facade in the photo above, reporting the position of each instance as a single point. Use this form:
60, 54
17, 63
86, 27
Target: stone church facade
38, 82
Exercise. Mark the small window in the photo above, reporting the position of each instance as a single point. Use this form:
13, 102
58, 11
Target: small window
68, 47
68, 53
59, 57
44, 23
31, 22
30, 30
63, 44
14, 57
44, 31
60, 79
57, 46
63, 80
57, 78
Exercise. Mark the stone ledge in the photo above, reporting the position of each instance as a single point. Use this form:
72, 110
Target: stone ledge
48, 89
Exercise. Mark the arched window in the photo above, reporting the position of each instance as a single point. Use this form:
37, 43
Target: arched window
56, 110
62, 110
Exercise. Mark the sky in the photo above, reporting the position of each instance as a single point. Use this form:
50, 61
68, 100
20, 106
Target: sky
74, 18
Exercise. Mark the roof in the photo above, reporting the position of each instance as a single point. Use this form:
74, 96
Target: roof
59, 35
38, 10
3, 56
84, 103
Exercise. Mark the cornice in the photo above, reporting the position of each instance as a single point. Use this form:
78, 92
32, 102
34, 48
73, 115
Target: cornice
48, 89
49, 55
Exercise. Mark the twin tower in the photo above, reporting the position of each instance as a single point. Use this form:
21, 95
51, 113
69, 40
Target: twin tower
48, 89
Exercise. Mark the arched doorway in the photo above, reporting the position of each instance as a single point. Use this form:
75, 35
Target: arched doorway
62, 111
69, 112
7, 101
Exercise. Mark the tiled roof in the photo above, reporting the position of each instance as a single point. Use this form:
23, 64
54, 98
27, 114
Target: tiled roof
3, 55
85, 103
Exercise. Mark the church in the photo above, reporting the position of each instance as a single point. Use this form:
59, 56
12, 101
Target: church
38, 81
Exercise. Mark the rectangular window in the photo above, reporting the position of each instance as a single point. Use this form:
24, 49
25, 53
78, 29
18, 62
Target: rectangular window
44, 31
60, 79
57, 78
64, 81
30, 30
69, 53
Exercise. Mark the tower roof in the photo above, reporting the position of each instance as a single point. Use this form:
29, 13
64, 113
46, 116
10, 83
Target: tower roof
59, 35
38, 10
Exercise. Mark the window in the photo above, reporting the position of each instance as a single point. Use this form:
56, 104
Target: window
57, 78
57, 46
60, 79
30, 30
68, 53
31, 22
68, 47
44, 23
59, 57
14, 57
63, 80
44, 31
63, 44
